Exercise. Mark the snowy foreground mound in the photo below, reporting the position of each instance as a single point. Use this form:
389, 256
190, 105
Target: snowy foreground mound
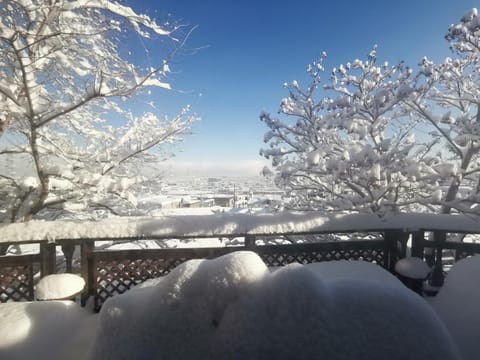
45, 330
458, 306
234, 308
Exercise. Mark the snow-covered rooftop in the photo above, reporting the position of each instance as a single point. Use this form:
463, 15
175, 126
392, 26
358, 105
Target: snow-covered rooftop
225, 224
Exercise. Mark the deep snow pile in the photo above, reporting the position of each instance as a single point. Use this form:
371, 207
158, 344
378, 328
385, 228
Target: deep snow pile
458, 305
355, 270
234, 308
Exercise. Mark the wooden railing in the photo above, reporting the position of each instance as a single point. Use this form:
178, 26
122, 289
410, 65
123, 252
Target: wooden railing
114, 272
16, 277
111, 272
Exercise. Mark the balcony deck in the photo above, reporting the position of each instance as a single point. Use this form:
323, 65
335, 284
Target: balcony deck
302, 236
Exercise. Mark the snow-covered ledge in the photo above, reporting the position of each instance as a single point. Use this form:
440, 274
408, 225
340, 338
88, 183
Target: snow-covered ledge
216, 225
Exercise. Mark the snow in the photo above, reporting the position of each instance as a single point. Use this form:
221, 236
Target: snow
183, 306
75, 144
233, 308
45, 330
359, 270
164, 243
59, 286
457, 304
124, 11
156, 82
29, 182
412, 267
446, 170
225, 224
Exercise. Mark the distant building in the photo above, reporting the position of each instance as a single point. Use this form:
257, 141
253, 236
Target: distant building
159, 202
224, 200
208, 202
191, 203
169, 203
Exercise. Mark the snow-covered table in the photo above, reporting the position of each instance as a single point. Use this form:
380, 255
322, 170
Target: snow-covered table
233, 307
352, 270
59, 287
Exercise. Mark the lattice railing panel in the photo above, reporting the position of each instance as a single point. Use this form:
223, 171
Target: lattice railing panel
16, 283
462, 254
117, 276
118, 272
284, 257
369, 250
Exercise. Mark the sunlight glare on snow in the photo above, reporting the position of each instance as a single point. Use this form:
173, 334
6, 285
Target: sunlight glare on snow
457, 304
15, 324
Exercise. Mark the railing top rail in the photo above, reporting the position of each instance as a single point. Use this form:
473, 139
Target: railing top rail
231, 225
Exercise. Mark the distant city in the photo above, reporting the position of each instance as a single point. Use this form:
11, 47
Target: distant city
209, 193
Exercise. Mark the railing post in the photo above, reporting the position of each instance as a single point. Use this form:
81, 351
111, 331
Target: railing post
68, 249
439, 238
418, 238
47, 259
87, 269
250, 242
395, 245
429, 251
31, 290
390, 240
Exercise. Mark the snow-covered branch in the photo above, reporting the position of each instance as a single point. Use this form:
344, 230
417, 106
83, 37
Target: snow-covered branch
64, 78
381, 138
338, 151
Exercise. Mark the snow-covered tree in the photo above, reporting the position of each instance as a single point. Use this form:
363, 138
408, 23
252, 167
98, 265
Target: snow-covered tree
348, 145
388, 138
64, 80
447, 100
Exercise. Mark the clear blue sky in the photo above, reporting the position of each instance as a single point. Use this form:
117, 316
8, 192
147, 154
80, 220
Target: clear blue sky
250, 48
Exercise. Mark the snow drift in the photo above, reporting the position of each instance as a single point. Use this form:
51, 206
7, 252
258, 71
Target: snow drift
457, 304
45, 330
233, 307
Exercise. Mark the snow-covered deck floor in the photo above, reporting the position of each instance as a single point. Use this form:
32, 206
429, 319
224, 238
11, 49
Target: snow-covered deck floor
233, 307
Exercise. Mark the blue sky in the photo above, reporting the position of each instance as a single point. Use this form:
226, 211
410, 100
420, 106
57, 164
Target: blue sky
248, 49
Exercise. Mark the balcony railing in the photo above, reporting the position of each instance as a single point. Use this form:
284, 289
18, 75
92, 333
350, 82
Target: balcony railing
302, 239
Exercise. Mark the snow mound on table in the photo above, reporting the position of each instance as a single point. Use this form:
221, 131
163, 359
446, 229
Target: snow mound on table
234, 308
347, 269
59, 286
458, 305
178, 315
